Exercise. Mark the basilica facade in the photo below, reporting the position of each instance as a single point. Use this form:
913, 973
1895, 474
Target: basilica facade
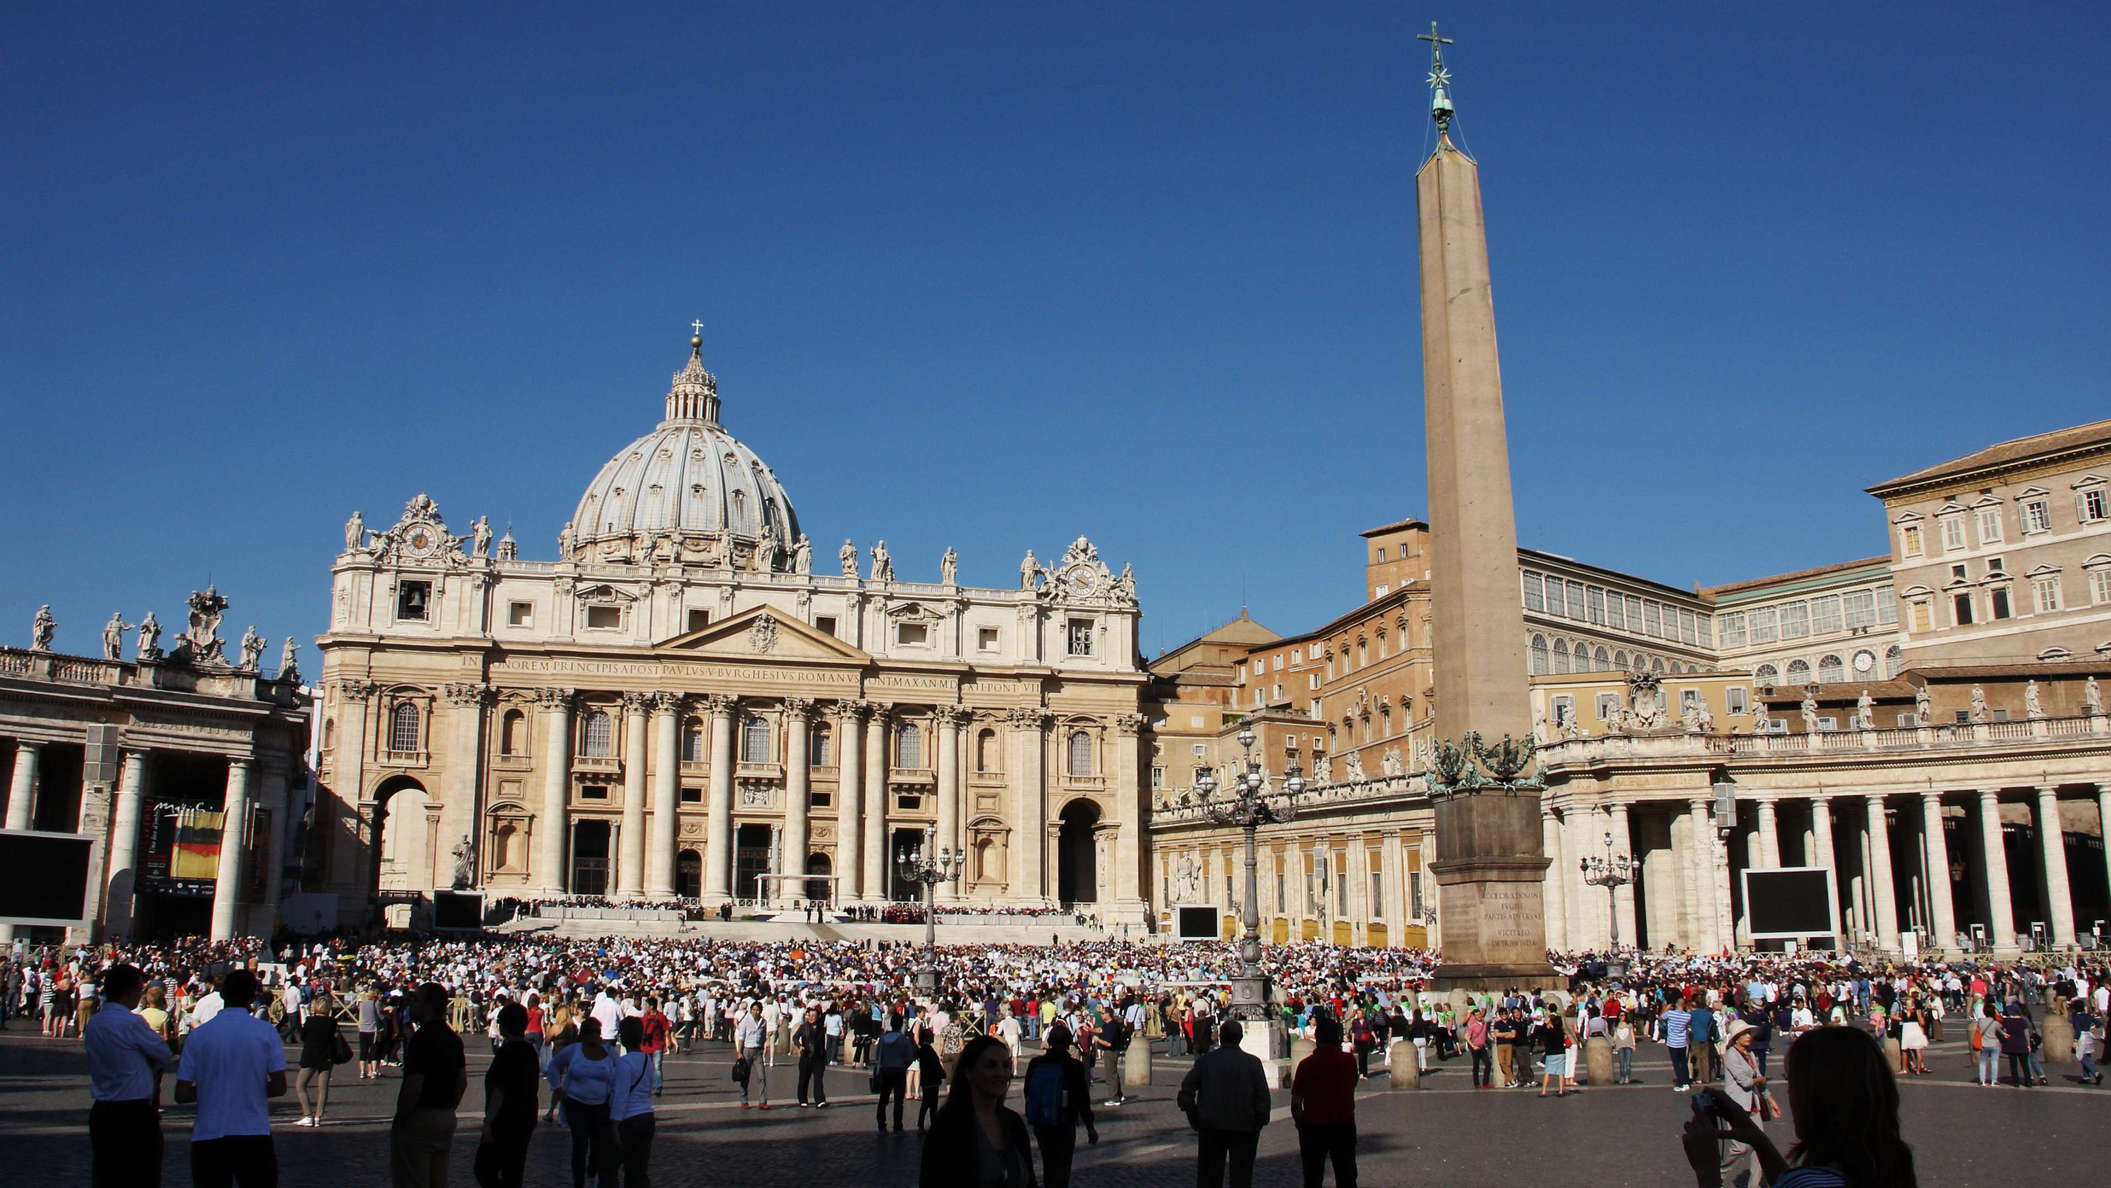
679, 706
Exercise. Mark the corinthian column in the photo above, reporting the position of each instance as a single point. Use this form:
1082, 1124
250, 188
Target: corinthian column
666, 794
1126, 886
630, 862
22, 784
950, 718
1882, 889
875, 822
1935, 852
718, 836
468, 706
2052, 844
1029, 727
234, 843
850, 801
798, 725
1707, 894
552, 824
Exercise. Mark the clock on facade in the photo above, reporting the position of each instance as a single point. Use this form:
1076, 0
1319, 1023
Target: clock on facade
1864, 661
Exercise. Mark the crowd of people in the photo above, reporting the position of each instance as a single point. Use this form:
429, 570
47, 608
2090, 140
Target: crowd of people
595, 1019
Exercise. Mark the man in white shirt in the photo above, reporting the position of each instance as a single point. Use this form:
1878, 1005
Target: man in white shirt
607, 1012
205, 1008
125, 1061
1008, 1031
231, 1064
750, 1034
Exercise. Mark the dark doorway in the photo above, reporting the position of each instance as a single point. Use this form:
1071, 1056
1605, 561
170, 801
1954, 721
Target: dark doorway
905, 841
1077, 861
751, 857
590, 857
689, 875
818, 889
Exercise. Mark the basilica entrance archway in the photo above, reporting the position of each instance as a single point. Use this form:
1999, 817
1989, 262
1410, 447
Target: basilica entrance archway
403, 848
689, 874
590, 849
1077, 864
817, 889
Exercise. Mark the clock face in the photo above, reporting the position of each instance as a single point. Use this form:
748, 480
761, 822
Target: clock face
1863, 662
421, 541
1082, 580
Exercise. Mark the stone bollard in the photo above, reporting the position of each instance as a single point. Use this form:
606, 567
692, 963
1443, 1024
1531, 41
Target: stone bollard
1406, 1074
1598, 1060
1891, 1051
2057, 1052
1300, 1048
1136, 1068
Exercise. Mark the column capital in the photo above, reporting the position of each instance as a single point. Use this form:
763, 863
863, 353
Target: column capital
637, 703
1129, 723
953, 715
664, 702
2048, 791
468, 693
1932, 793
32, 745
799, 709
355, 688
552, 698
855, 709
1989, 795
240, 763
1030, 718
718, 705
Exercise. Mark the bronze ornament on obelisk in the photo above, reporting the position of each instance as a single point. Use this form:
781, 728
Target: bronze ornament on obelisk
1489, 869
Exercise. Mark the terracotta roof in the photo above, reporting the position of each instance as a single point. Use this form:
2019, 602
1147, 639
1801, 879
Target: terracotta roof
1840, 691
1797, 575
2072, 669
2097, 433
1395, 526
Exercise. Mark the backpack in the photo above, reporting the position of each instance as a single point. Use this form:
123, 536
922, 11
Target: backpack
1117, 1033
1044, 1095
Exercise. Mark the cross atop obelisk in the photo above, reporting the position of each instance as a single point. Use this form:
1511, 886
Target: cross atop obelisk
1439, 79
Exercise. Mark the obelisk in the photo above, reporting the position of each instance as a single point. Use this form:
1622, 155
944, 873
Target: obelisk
1489, 868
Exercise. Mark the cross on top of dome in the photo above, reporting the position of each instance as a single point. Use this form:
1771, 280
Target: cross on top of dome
694, 394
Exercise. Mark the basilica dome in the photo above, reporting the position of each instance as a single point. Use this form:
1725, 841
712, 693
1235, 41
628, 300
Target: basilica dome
687, 491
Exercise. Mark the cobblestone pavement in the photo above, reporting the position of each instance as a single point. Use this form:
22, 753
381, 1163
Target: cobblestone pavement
1446, 1133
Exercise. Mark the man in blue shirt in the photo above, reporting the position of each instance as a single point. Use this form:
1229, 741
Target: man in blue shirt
230, 1066
125, 1061
1678, 1024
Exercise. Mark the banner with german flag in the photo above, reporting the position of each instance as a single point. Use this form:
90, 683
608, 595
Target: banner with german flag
196, 853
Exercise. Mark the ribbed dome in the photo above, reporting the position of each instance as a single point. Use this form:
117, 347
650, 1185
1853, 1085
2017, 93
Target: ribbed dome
686, 491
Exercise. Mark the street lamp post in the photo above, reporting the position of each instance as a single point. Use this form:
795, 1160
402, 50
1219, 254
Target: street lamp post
1246, 805
930, 865
1612, 872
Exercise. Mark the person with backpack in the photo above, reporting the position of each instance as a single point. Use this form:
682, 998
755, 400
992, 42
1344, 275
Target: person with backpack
890, 1071
1058, 1097
1113, 1039
1701, 1034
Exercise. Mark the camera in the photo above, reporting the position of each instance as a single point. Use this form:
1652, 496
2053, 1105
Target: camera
1703, 1103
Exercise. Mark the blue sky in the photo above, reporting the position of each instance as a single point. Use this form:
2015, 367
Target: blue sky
994, 275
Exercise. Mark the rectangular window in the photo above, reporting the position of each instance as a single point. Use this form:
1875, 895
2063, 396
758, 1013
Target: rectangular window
1763, 625
2037, 516
986, 639
414, 600
1377, 899
1734, 699
1952, 533
1730, 629
698, 619
1278, 662
1576, 609
1653, 619
1997, 601
1564, 710
520, 614
1795, 620
593, 791
1414, 894
604, 618
1634, 612
1597, 597
912, 635
1886, 605
1690, 627
2045, 594
2100, 586
825, 624
1079, 637
692, 796
1961, 609
1381, 552
1923, 616
1557, 601
1616, 611
2093, 505
1535, 597
1828, 722
1861, 608
1158, 777
1608, 705
1909, 540
1297, 655
1825, 614
1989, 525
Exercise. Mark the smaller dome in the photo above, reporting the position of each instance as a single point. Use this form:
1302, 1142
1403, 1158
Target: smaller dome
687, 491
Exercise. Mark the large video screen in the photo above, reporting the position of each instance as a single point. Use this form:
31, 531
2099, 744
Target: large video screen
457, 909
1789, 903
45, 878
1195, 923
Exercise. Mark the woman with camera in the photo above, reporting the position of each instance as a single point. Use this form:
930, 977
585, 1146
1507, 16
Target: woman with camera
1843, 1102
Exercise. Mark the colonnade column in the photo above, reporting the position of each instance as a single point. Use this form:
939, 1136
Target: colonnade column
1935, 848
2052, 843
552, 824
468, 703
666, 794
630, 860
1769, 851
950, 718
22, 785
1822, 851
277, 778
1883, 890
2000, 907
234, 843
1028, 726
1555, 895
793, 847
1624, 908
875, 821
124, 844
1706, 895
850, 806
718, 831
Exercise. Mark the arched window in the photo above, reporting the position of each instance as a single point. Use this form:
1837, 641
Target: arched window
1080, 753
820, 746
1583, 656
403, 726
755, 740
1539, 655
1894, 661
1620, 660
909, 745
1831, 671
1605, 660
693, 740
1561, 656
1766, 674
1799, 672
1657, 665
600, 735
329, 733
513, 733
986, 751
502, 845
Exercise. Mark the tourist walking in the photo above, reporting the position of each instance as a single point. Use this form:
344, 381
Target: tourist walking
1323, 1107
750, 1035
890, 1071
319, 1057
631, 1106
810, 1040
1058, 1097
435, 1077
1745, 1086
509, 1104
976, 1141
1477, 1045
1225, 1098
930, 1075
582, 1080
1986, 1037
125, 1062
1677, 1023
232, 1064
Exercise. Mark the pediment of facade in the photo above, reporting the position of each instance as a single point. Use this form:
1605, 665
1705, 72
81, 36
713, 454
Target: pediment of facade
763, 634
